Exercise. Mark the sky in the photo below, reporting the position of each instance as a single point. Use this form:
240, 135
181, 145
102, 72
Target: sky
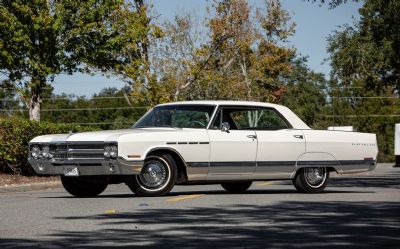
314, 23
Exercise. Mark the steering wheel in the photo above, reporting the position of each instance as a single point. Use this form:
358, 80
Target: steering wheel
197, 122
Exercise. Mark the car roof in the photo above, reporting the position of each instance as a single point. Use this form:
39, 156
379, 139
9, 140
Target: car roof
221, 102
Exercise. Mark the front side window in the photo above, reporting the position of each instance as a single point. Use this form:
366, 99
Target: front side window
250, 119
177, 116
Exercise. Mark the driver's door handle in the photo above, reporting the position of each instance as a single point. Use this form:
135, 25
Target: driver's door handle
298, 136
252, 136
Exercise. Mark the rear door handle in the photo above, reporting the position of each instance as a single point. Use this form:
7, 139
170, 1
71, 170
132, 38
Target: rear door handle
298, 136
252, 136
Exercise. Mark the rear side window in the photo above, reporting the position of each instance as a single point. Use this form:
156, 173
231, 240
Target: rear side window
258, 119
248, 118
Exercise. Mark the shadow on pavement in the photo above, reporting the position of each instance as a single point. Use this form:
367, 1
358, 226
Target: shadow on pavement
366, 182
216, 192
283, 224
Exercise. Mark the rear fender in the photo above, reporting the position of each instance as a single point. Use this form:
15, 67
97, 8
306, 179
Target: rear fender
316, 159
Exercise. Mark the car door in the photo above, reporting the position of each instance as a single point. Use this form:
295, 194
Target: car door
232, 151
279, 146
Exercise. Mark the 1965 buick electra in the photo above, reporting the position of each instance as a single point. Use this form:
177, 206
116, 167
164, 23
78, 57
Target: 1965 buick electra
231, 143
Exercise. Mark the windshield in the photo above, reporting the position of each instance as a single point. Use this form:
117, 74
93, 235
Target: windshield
177, 116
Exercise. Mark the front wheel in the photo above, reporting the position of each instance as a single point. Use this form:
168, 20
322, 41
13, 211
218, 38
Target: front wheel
158, 176
311, 180
84, 186
236, 187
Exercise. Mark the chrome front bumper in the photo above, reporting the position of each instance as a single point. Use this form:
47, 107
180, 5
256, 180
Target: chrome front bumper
117, 166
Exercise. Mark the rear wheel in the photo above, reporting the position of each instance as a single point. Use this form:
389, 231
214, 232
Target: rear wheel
311, 180
84, 186
236, 187
158, 176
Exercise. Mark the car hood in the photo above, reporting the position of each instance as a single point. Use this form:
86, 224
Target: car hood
96, 136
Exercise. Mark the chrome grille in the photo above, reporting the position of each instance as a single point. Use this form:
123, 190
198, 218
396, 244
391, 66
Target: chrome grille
79, 151
60, 151
86, 151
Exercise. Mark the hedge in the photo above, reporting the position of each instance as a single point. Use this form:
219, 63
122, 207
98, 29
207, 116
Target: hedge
15, 134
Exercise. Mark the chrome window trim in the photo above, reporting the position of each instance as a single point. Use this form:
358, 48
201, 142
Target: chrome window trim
220, 107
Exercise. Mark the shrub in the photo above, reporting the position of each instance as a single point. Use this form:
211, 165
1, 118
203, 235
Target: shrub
15, 134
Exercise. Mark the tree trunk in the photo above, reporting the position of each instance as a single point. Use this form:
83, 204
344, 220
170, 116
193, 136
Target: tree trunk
141, 8
34, 107
246, 78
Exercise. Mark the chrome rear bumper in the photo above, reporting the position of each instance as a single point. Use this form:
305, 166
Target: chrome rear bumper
117, 166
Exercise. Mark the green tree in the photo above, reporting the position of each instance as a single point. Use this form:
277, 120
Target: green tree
247, 58
365, 72
41, 39
332, 3
241, 57
306, 94
110, 108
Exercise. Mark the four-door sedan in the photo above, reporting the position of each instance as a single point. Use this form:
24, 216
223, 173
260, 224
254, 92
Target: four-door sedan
231, 143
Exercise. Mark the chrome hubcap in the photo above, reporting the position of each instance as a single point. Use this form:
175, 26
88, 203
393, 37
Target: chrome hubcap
154, 174
315, 177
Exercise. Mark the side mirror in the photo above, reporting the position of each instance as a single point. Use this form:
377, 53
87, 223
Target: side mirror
225, 127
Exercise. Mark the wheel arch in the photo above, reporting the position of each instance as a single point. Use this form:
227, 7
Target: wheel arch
316, 159
180, 162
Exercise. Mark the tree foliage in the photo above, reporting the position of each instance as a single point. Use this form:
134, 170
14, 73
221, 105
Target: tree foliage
15, 135
365, 72
109, 109
242, 57
41, 39
331, 3
236, 52
306, 94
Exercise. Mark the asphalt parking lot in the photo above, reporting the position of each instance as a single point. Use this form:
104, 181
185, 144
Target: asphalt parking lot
356, 211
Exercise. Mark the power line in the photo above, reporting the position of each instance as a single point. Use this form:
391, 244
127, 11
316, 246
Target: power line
372, 97
363, 116
123, 97
79, 109
68, 98
12, 88
97, 123
347, 87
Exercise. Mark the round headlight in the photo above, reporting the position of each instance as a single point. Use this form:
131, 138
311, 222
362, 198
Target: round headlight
35, 152
46, 151
114, 151
107, 151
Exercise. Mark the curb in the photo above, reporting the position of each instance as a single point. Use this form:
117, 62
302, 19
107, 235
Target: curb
30, 187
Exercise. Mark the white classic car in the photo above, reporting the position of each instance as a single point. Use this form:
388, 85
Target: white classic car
231, 143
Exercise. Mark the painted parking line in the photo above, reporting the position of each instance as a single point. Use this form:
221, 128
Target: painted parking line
264, 183
110, 211
184, 197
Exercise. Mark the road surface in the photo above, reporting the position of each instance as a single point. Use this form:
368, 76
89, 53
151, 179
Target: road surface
356, 211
